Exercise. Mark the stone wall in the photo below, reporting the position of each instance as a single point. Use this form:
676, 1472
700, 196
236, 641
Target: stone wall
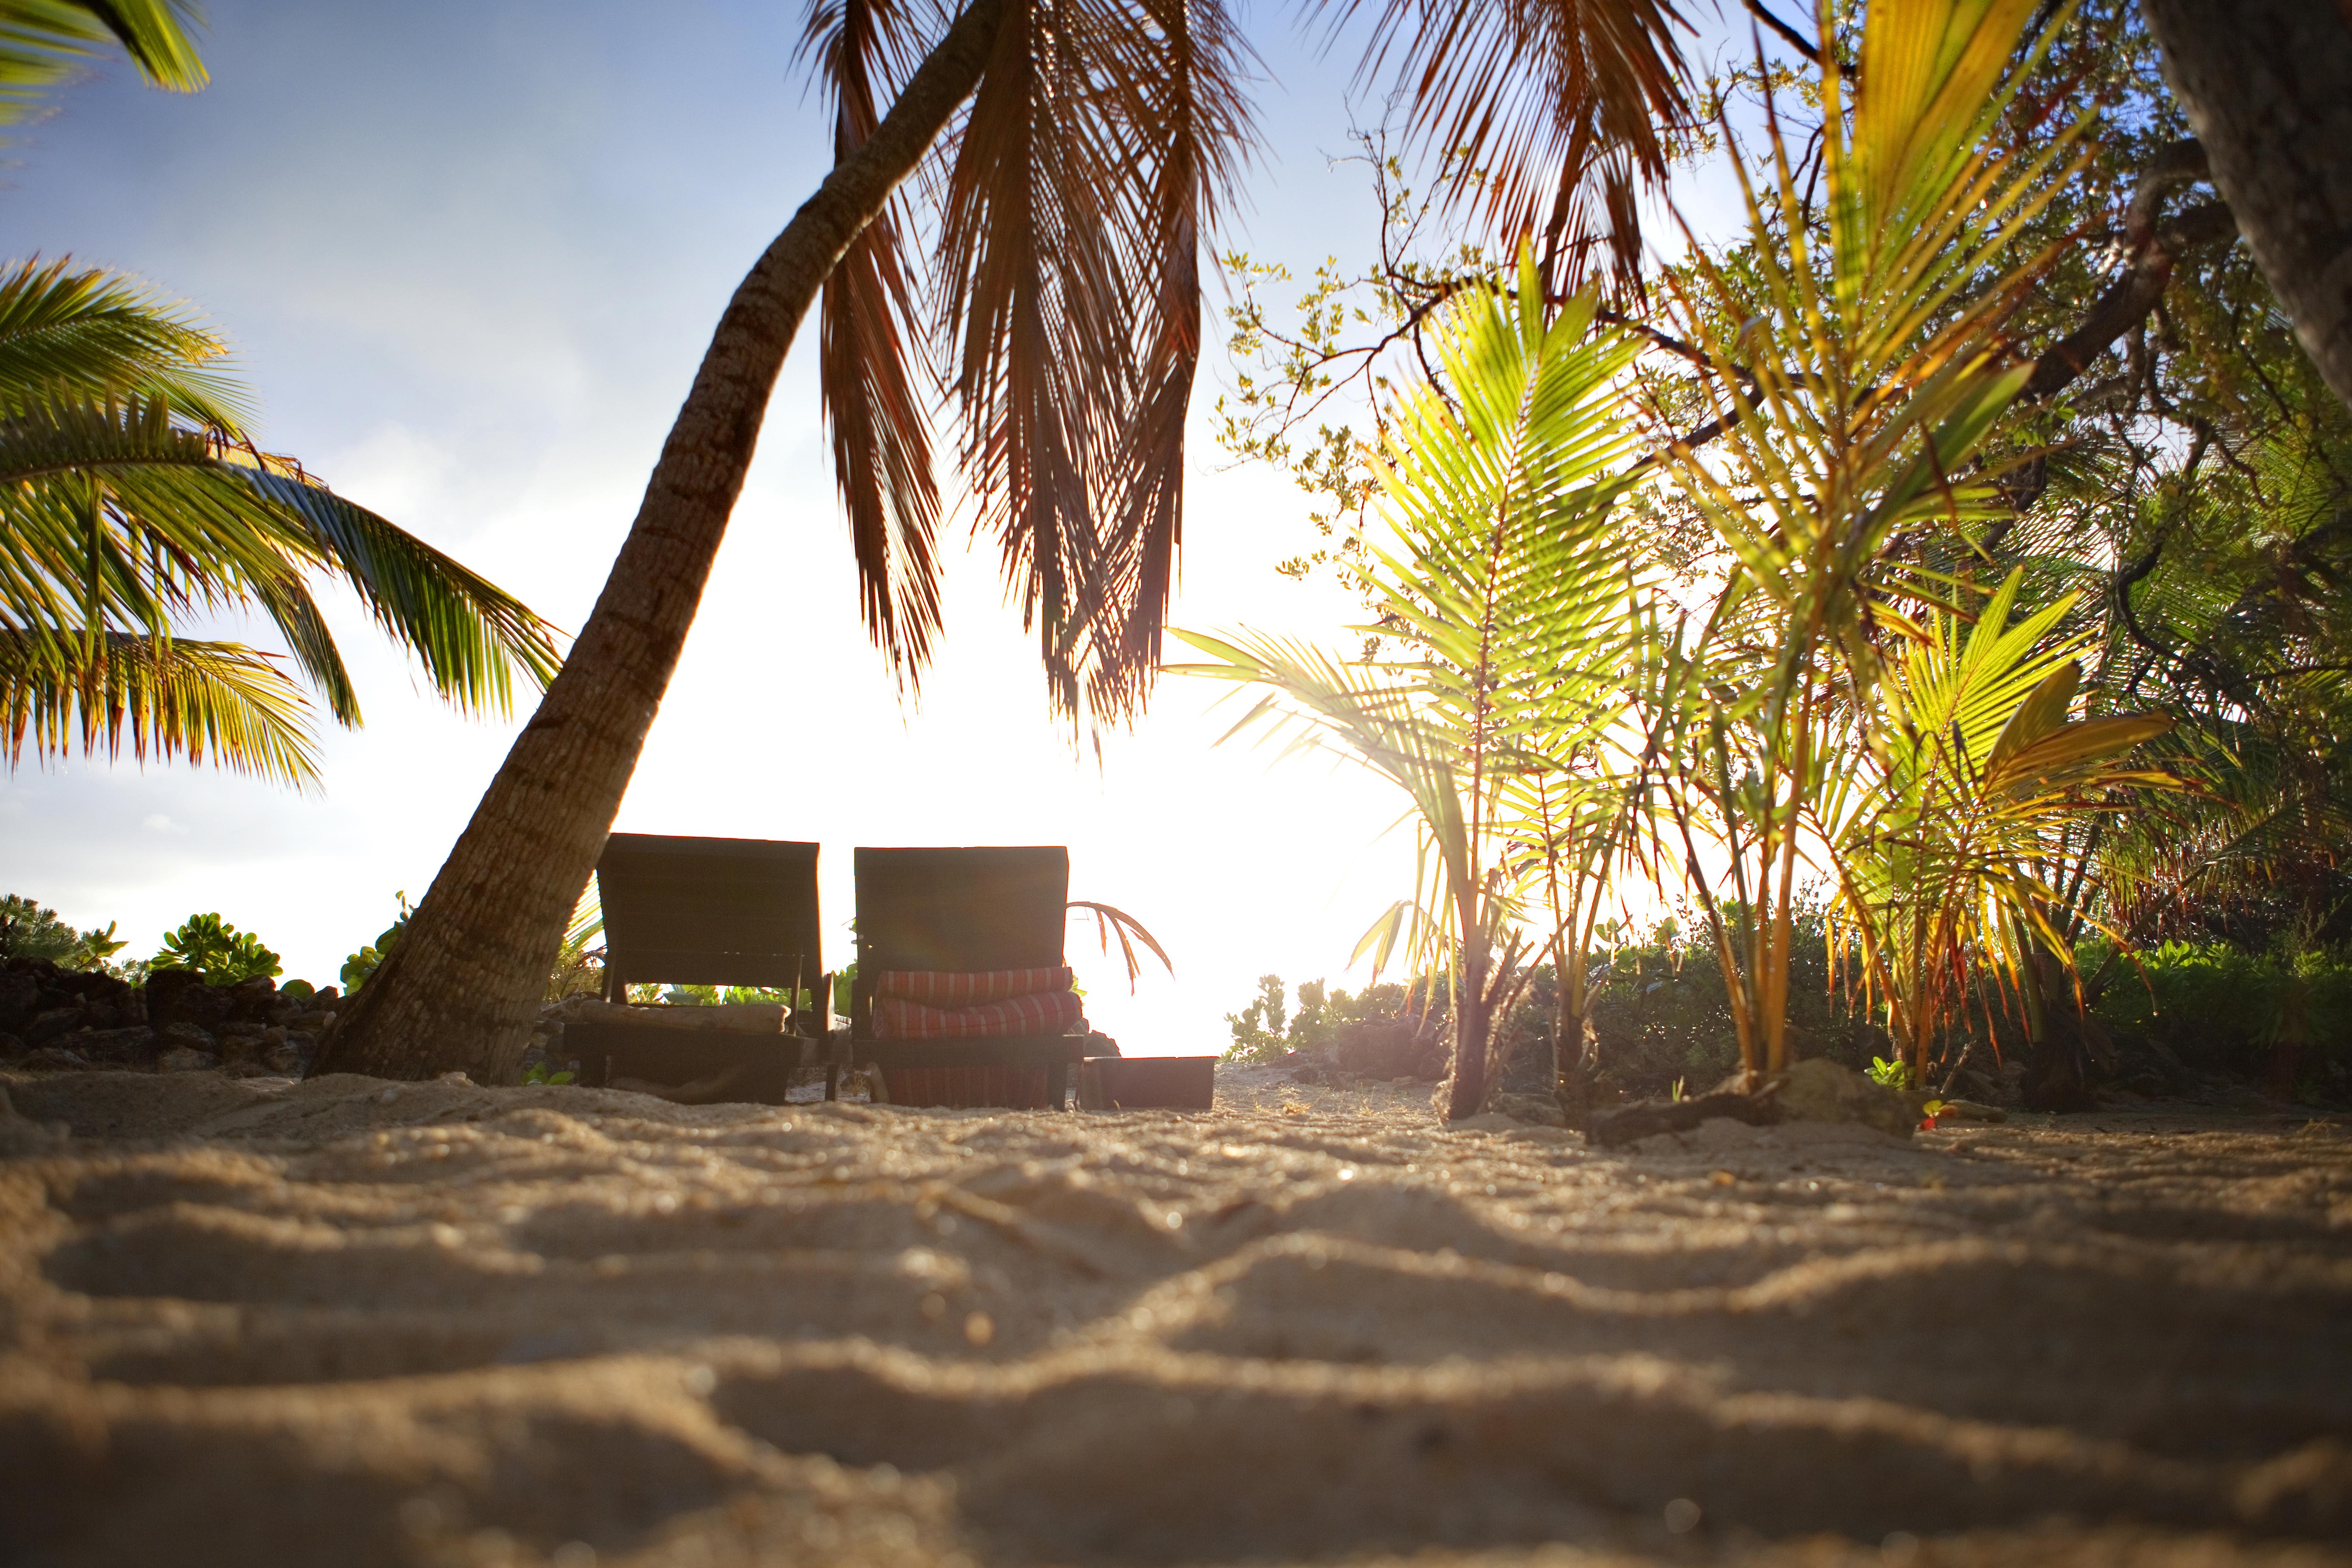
53, 1018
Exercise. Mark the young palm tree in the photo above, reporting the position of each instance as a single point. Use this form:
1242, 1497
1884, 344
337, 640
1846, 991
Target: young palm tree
1081, 149
1509, 591
1853, 379
1942, 837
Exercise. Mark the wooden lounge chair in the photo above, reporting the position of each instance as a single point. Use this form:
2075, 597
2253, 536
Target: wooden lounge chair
972, 911
705, 911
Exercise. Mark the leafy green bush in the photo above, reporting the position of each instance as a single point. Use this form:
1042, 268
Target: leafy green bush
1265, 1032
216, 950
362, 964
29, 930
2223, 1009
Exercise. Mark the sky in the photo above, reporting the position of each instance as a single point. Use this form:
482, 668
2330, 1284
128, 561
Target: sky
470, 252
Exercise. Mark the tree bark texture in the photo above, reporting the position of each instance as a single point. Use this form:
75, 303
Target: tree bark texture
462, 987
2268, 85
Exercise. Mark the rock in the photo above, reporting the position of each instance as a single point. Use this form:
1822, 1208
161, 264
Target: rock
47, 1026
1823, 1090
133, 1046
290, 1057
1430, 1066
180, 1059
1308, 1073
20, 998
11, 1046
181, 997
51, 1059
311, 1023
1535, 1107
184, 1036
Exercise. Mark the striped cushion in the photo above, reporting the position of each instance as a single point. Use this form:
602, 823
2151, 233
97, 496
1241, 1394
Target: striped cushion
958, 988
1033, 1013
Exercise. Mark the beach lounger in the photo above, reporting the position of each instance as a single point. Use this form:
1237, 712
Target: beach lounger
705, 911
962, 996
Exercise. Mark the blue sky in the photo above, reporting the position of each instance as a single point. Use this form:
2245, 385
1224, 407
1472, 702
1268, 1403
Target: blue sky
470, 255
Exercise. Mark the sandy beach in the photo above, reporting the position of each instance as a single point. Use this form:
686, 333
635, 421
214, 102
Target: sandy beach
345, 1322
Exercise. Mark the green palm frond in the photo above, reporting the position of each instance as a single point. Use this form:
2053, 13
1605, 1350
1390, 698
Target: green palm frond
77, 690
1941, 845
89, 334
116, 514
471, 636
43, 42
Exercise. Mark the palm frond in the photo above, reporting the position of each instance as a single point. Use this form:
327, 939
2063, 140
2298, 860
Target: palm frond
873, 374
1552, 112
43, 42
472, 637
1087, 164
1192, 115
90, 334
1116, 925
76, 688
116, 515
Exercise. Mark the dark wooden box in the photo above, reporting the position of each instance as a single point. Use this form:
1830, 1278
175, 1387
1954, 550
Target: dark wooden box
1147, 1083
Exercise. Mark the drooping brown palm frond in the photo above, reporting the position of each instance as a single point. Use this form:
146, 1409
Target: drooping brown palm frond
1076, 185
1199, 130
874, 393
1116, 925
1552, 112
1036, 294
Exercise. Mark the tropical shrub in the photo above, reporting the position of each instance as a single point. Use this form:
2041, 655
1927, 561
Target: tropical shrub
1264, 1030
362, 964
29, 930
2280, 1013
219, 952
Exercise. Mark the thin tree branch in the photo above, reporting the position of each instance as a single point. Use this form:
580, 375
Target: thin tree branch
1789, 35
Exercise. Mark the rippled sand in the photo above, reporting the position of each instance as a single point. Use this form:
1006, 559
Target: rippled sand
345, 1322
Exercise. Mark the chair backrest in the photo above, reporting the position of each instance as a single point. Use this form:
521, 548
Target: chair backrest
709, 911
965, 908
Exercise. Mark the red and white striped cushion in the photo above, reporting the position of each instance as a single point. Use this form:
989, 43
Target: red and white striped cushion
1035, 1013
958, 988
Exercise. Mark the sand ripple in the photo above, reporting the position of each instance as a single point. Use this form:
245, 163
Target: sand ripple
355, 1323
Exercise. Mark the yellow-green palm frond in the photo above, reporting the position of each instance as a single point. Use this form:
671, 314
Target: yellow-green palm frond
115, 513
85, 333
43, 42
74, 690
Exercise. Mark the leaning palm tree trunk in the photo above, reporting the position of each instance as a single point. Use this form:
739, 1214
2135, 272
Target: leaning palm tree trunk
463, 987
2268, 85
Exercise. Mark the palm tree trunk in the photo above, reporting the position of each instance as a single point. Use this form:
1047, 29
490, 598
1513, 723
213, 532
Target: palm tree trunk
2268, 85
462, 988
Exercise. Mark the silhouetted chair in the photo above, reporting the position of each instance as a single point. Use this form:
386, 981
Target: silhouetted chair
957, 921
707, 911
